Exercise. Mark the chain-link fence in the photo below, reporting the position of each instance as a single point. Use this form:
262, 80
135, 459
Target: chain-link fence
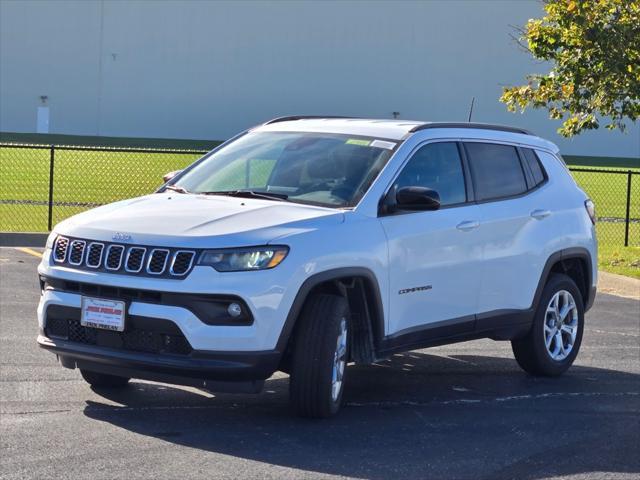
616, 194
42, 185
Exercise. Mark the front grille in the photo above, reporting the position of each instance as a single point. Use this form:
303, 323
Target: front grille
182, 262
123, 259
94, 255
76, 253
146, 340
60, 249
135, 258
157, 261
114, 257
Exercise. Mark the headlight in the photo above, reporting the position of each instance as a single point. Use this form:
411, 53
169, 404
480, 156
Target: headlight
242, 259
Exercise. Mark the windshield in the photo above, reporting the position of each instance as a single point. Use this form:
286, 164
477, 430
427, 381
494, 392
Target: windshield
317, 168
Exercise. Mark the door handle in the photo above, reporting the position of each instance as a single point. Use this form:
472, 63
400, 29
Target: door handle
468, 225
540, 214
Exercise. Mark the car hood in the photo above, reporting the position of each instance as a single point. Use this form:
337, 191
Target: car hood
173, 219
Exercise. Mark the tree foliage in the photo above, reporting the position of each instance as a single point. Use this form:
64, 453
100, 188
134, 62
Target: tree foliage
595, 49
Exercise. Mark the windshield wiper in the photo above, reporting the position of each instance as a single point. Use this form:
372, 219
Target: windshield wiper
176, 188
249, 194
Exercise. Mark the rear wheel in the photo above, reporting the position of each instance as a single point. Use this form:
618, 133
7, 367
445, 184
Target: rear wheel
554, 340
102, 380
320, 355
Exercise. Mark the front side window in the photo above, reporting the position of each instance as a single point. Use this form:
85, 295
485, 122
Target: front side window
325, 169
436, 166
496, 170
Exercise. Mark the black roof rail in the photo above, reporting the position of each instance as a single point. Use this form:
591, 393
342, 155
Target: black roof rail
483, 126
301, 117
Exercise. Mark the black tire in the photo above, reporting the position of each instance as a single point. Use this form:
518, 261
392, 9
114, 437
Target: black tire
531, 351
102, 380
314, 349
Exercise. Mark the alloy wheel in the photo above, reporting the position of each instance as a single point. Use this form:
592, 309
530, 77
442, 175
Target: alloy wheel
339, 361
560, 325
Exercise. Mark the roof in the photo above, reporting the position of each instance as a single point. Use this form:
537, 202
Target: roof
390, 129
399, 129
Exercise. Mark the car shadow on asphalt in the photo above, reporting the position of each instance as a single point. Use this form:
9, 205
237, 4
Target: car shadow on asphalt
412, 416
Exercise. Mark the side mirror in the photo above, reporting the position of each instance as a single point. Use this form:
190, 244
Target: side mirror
417, 198
170, 175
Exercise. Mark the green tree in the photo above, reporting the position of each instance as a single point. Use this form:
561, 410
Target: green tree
594, 46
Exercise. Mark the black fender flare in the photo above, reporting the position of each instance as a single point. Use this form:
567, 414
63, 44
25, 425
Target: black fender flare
565, 254
326, 276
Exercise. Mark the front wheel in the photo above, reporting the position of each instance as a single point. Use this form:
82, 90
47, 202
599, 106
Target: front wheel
320, 355
552, 344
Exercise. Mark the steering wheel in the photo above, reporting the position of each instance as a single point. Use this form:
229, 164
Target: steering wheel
315, 186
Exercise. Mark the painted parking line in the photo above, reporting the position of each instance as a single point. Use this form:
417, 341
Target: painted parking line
29, 251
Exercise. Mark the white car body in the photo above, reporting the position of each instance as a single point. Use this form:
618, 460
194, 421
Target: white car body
455, 272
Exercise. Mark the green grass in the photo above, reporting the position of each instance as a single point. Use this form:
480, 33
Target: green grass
620, 260
80, 177
98, 177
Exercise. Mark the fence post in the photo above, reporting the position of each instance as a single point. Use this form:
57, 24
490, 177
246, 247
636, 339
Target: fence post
626, 220
52, 155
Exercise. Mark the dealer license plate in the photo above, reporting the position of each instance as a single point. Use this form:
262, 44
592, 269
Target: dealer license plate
102, 313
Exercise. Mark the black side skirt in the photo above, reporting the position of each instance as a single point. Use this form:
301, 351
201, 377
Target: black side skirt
497, 325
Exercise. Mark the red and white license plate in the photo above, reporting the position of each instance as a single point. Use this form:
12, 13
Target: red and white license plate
102, 313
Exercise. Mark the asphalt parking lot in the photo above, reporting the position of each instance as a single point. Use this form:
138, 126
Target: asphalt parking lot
458, 412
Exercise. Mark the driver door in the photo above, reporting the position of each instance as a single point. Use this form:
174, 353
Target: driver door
434, 256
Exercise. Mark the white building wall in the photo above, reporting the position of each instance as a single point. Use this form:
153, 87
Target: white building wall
205, 70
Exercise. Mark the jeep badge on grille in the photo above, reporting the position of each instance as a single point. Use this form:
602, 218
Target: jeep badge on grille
121, 237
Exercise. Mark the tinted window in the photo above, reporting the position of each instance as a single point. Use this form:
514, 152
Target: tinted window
534, 165
436, 166
496, 170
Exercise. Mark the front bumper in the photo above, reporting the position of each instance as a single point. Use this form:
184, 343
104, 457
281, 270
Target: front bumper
265, 294
216, 371
165, 339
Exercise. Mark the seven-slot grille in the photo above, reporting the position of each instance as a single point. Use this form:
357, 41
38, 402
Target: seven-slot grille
60, 249
181, 262
157, 261
135, 257
94, 254
116, 258
76, 254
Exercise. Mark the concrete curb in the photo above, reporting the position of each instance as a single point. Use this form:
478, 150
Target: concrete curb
619, 285
13, 239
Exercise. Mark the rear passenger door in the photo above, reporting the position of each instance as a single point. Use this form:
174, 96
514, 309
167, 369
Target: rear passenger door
511, 214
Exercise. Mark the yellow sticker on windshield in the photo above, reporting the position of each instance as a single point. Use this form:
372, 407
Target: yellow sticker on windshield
356, 141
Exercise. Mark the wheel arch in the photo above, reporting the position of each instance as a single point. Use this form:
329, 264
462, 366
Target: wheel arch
360, 286
574, 262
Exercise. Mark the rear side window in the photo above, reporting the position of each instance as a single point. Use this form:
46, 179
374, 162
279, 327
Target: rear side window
534, 165
437, 166
496, 169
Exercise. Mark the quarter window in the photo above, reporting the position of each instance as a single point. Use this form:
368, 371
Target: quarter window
436, 166
534, 165
496, 169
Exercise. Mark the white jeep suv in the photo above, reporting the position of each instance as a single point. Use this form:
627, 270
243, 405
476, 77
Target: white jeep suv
307, 243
